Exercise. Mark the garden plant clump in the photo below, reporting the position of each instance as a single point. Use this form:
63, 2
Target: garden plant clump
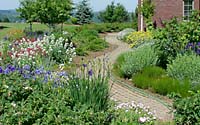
46, 97
137, 38
130, 63
186, 67
31, 51
129, 113
156, 80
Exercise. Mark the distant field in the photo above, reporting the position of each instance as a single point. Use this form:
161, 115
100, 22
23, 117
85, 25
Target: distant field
20, 26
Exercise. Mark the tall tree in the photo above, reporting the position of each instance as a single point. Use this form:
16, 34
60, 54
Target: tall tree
53, 12
49, 12
114, 13
84, 13
28, 11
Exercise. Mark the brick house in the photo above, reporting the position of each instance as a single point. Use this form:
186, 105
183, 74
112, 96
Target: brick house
167, 9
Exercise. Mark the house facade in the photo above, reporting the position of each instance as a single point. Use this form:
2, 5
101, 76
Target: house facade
167, 9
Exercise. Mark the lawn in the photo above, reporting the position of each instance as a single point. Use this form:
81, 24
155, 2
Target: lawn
19, 26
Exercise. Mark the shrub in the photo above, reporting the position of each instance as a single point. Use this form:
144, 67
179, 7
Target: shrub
187, 110
172, 40
107, 27
185, 67
88, 40
155, 79
138, 38
134, 61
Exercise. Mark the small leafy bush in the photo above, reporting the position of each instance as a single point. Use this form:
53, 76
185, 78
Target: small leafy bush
134, 61
138, 38
186, 67
187, 110
155, 79
88, 40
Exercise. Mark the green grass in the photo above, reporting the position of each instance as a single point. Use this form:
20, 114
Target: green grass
21, 26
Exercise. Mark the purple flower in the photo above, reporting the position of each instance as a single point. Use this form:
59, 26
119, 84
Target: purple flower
27, 76
198, 44
27, 67
84, 65
62, 74
7, 71
90, 72
1, 70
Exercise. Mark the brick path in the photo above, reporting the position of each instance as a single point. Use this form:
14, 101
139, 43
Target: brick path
124, 94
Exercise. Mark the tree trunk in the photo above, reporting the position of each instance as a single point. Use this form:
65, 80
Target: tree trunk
61, 27
31, 27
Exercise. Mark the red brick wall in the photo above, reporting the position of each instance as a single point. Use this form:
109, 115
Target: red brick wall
197, 4
167, 9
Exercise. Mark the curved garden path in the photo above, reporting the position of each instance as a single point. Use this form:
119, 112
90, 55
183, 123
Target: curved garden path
123, 92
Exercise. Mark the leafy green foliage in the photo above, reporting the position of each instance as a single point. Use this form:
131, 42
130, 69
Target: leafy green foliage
28, 11
134, 61
108, 27
187, 110
185, 67
49, 12
155, 79
114, 13
147, 9
84, 13
88, 40
172, 39
33, 101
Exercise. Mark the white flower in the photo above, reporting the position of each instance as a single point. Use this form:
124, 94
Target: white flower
13, 104
28, 88
142, 119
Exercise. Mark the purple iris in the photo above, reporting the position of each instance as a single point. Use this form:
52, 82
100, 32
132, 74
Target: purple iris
1, 70
84, 65
27, 67
198, 44
7, 71
90, 72
62, 74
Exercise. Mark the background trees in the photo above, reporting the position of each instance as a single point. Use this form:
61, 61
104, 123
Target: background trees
114, 13
28, 11
84, 13
49, 12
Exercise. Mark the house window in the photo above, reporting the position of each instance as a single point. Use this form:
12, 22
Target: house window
187, 9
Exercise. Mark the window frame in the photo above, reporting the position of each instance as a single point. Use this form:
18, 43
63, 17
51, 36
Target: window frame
186, 17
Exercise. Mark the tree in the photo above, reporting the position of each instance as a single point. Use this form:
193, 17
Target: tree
49, 12
147, 10
114, 13
5, 19
84, 13
53, 12
28, 11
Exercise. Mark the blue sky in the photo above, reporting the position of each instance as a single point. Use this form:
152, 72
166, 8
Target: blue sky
96, 5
